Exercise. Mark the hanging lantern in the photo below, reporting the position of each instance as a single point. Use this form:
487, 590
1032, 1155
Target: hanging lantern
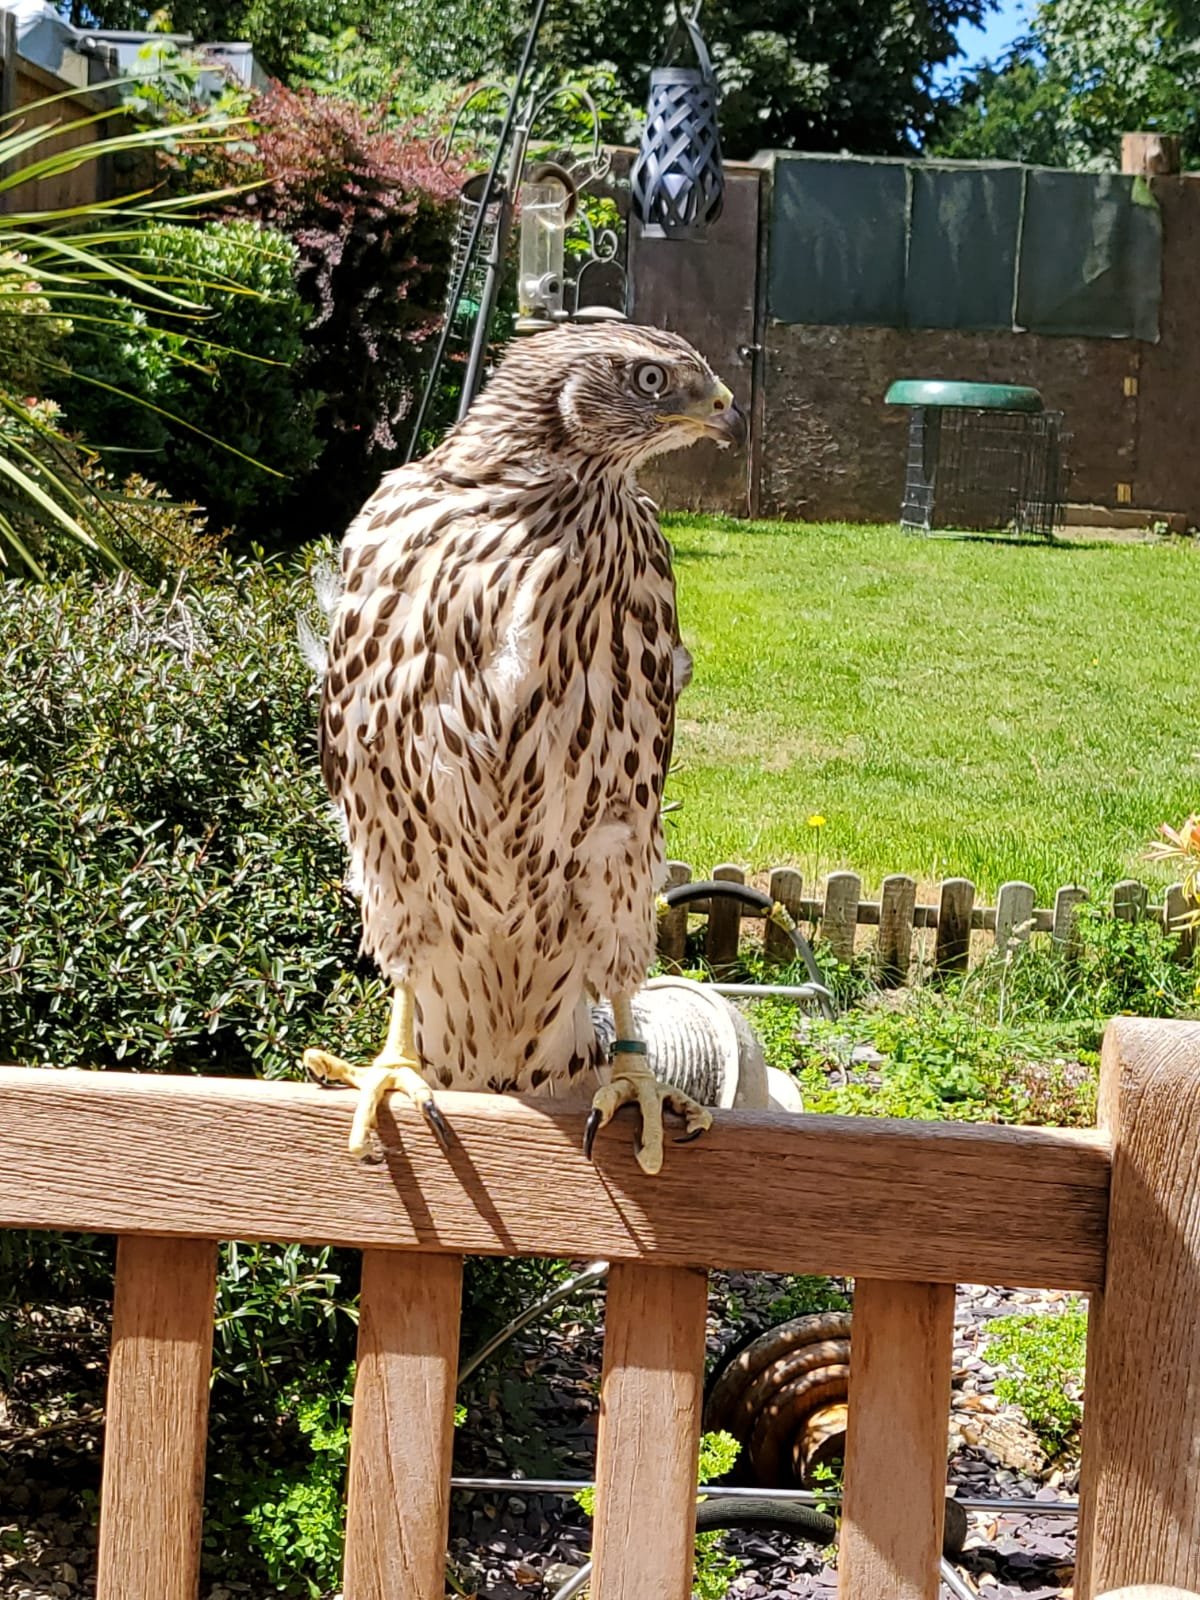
677, 180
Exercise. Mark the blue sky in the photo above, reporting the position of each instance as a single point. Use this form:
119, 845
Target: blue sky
998, 32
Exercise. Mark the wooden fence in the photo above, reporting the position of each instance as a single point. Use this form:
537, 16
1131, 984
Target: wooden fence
25, 86
172, 1165
840, 910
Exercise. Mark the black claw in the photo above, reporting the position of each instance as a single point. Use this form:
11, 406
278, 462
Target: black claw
321, 1083
687, 1138
435, 1119
590, 1130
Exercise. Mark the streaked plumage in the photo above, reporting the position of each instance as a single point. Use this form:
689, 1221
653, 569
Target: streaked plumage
499, 703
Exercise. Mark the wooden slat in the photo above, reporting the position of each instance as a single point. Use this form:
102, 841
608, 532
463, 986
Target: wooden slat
1129, 900
786, 889
840, 919
651, 1396
952, 948
724, 921
1066, 922
893, 953
1140, 1487
156, 1424
402, 1436
244, 1160
899, 1416
672, 925
1014, 912
1177, 911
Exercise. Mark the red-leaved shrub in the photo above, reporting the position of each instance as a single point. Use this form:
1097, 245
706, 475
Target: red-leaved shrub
371, 215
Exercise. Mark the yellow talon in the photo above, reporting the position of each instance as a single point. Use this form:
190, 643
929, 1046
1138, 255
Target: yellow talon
633, 1087
396, 1067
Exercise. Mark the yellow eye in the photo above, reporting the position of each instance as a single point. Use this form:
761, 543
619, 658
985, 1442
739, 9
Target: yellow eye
650, 378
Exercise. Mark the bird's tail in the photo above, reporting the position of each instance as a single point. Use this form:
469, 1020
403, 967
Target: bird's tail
482, 1031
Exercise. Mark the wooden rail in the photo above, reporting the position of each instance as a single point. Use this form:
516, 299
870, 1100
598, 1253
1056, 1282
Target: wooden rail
840, 910
173, 1165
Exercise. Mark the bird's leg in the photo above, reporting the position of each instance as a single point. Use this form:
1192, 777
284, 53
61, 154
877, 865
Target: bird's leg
397, 1066
633, 1084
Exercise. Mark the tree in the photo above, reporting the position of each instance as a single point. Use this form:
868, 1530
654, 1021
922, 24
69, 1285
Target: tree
823, 76
1089, 71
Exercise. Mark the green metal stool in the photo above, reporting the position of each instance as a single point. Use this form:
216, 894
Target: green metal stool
984, 456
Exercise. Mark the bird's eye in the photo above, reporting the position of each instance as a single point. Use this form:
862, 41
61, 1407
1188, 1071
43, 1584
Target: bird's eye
650, 378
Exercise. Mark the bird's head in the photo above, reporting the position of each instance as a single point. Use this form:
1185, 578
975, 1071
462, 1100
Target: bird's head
611, 390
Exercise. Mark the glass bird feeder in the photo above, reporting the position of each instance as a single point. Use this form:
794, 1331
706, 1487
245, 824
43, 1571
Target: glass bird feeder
678, 182
547, 205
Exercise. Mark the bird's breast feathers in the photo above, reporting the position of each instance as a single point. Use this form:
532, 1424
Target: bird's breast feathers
501, 669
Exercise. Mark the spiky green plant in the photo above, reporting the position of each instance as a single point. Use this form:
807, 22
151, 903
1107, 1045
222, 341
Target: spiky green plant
78, 254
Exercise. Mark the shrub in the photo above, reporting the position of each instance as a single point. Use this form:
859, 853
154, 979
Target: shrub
172, 872
224, 418
370, 215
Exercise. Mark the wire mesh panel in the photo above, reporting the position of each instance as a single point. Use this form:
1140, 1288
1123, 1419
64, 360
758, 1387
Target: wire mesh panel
995, 471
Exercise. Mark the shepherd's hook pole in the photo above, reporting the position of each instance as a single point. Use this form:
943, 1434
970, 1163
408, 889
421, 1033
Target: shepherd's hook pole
489, 188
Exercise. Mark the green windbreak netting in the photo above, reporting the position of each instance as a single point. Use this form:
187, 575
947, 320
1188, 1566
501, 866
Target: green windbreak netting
1091, 254
962, 257
839, 241
894, 244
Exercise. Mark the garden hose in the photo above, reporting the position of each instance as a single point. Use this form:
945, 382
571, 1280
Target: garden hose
775, 912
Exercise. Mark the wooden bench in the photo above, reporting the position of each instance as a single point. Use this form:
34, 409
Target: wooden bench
173, 1165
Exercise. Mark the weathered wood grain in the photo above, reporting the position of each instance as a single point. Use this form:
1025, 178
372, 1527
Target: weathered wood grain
952, 947
672, 925
899, 1416
897, 898
1014, 914
855, 1195
402, 1434
155, 1432
651, 1397
1066, 921
1178, 911
1129, 900
1140, 1488
840, 918
724, 921
841, 910
787, 889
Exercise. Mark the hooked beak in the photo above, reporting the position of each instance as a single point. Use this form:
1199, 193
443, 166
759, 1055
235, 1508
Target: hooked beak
717, 417
727, 426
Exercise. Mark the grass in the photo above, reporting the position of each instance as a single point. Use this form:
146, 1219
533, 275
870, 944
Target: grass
952, 706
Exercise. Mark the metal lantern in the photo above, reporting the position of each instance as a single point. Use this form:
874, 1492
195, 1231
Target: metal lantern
677, 180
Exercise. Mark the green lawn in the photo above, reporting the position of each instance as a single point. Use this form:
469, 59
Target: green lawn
949, 706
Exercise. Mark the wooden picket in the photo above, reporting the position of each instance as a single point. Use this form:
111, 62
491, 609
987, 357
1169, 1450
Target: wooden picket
963, 930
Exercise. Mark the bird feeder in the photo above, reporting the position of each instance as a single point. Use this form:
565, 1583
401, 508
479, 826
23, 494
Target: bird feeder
677, 180
548, 200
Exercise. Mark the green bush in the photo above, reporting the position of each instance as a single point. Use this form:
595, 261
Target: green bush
225, 421
172, 872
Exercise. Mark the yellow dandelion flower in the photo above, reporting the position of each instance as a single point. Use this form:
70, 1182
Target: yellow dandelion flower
816, 820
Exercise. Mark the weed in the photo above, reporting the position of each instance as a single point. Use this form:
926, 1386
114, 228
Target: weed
1045, 1355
